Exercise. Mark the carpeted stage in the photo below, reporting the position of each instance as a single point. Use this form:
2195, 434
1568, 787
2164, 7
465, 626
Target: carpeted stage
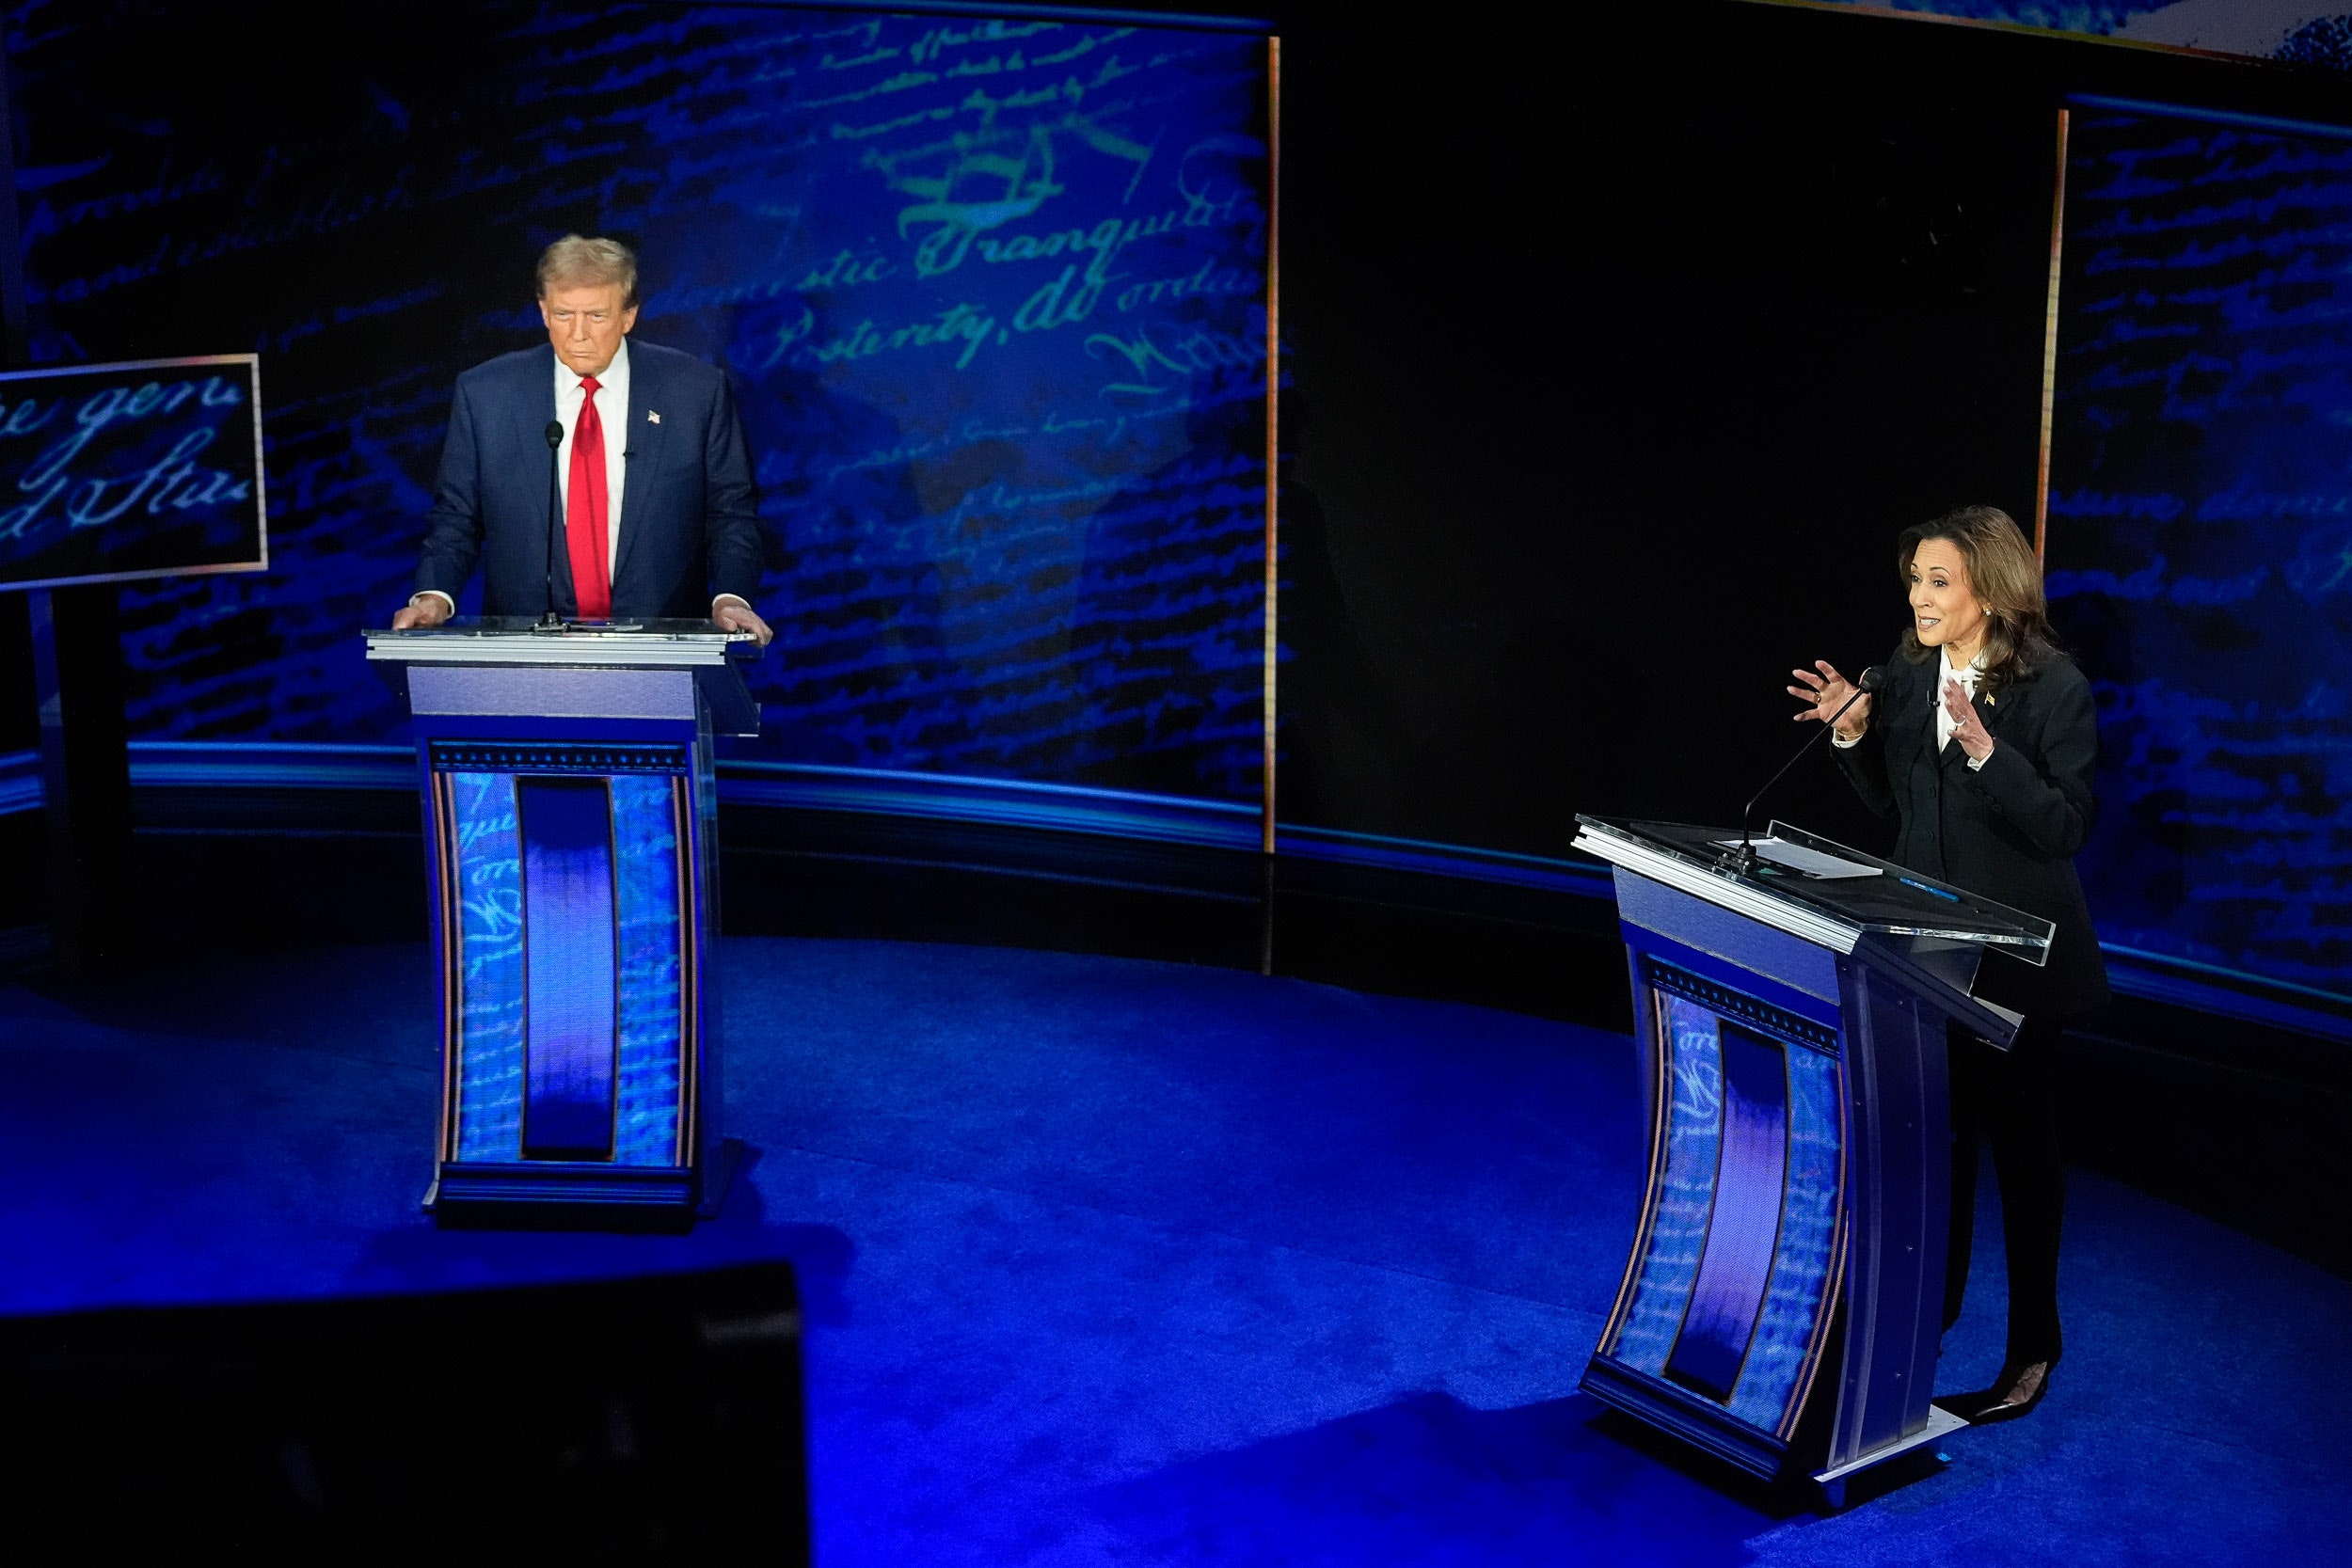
1110, 1261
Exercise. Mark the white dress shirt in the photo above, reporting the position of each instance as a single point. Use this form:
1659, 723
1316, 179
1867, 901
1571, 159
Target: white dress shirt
1943, 726
612, 412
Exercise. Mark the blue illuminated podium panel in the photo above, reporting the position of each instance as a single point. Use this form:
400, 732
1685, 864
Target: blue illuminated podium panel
1741, 1253
1783, 1300
568, 812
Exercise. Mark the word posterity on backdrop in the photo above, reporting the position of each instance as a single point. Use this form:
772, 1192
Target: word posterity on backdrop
2200, 539
992, 294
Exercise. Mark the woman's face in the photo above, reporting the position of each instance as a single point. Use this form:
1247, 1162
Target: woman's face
1945, 610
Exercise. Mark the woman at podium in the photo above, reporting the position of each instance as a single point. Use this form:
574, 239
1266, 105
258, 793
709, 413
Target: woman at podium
1981, 742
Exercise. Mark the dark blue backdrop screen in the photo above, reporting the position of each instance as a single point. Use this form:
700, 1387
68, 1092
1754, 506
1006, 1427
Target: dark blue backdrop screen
2199, 540
992, 294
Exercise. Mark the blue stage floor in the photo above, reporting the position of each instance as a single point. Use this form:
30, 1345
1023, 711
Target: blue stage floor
1136, 1263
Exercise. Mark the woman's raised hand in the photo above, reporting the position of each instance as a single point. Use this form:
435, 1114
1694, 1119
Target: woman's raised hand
1967, 728
1823, 692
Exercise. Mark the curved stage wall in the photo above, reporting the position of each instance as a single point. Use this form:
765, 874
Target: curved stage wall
203, 777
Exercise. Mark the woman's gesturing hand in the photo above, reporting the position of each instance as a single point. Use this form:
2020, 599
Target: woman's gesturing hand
1823, 693
1967, 728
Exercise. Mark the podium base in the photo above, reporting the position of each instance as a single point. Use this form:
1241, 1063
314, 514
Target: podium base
563, 1195
1941, 1423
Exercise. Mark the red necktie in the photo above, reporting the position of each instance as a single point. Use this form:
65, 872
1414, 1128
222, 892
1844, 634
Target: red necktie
584, 510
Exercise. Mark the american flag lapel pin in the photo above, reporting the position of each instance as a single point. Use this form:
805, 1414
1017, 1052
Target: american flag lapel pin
652, 418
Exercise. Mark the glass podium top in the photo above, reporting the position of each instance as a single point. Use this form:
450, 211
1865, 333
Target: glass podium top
522, 639
1814, 879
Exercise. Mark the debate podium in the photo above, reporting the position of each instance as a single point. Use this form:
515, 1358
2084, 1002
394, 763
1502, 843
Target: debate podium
1783, 1302
569, 814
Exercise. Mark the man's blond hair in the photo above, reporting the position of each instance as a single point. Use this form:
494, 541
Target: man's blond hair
578, 262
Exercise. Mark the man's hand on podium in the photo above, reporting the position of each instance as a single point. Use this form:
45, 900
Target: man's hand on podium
735, 616
425, 609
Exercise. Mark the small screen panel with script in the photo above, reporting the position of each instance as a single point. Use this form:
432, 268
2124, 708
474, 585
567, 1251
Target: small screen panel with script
147, 468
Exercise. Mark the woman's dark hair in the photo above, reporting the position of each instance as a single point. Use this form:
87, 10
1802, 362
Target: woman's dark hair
2005, 577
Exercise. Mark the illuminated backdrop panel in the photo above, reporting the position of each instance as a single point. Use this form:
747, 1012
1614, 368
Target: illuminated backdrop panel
992, 294
2200, 532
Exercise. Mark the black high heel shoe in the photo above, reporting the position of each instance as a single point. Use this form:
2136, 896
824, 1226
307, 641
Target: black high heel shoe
2001, 1403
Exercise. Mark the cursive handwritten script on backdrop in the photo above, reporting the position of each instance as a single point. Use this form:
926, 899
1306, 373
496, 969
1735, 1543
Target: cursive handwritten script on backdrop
2199, 546
991, 293
141, 469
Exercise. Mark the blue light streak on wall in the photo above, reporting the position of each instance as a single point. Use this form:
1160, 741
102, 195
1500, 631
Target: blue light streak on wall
2201, 533
992, 294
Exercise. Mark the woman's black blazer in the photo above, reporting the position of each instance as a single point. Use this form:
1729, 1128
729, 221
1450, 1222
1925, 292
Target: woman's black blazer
2008, 830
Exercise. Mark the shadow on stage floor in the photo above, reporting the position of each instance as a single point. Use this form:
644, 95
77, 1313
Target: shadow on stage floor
1429, 1479
418, 1258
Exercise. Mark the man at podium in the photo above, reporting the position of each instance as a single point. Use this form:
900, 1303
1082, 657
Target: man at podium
648, 513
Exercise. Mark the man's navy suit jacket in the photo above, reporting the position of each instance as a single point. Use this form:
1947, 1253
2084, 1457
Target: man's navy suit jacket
687, 528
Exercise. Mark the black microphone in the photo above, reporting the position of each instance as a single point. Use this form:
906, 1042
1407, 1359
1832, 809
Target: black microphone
552, 621
1870, 681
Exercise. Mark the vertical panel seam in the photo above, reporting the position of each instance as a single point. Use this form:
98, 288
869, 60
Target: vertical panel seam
1273, 427
2049, 351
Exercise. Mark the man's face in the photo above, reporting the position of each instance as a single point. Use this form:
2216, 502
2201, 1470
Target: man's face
585, 322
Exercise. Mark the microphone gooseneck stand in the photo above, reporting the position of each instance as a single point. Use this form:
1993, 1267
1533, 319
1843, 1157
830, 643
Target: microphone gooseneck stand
1870, 681
551, 621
